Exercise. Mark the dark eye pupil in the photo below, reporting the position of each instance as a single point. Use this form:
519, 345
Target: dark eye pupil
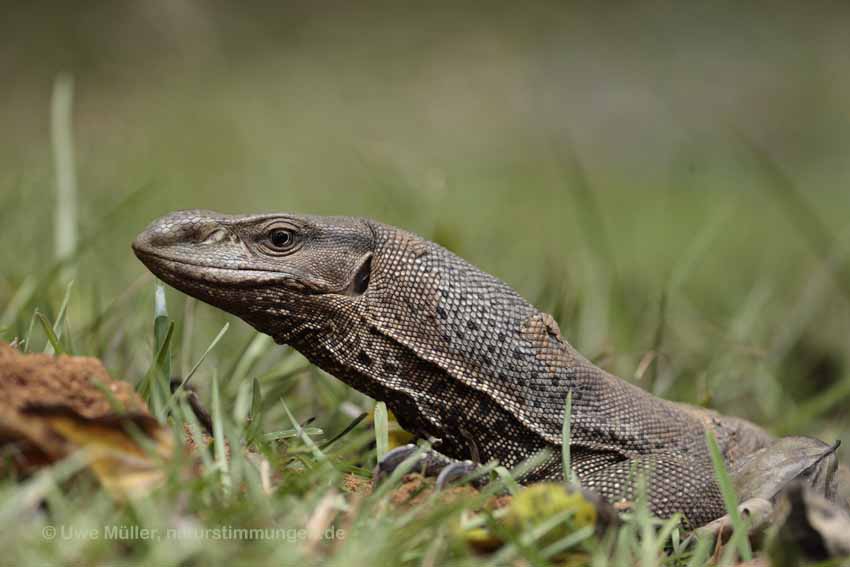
281, 238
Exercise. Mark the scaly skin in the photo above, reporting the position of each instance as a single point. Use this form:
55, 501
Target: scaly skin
456, 354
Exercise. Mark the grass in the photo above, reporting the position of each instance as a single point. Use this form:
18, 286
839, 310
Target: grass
739, 540
721, 281
260, 395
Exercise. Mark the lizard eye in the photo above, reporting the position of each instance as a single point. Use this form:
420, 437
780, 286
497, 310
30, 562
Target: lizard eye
281, 238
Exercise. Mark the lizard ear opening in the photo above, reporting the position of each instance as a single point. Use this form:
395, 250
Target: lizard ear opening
360, 282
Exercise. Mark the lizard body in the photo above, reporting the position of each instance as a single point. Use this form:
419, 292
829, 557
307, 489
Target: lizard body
455, 353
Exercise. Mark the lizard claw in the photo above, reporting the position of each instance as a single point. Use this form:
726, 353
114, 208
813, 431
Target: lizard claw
390, 461
430, 463
453, 472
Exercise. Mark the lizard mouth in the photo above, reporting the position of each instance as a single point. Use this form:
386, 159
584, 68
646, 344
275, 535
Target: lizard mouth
186, 274
184, 270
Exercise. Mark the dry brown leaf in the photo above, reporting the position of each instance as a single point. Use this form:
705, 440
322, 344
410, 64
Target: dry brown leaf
125, 452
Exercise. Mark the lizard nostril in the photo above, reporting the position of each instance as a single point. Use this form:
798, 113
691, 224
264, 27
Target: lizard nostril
217, 235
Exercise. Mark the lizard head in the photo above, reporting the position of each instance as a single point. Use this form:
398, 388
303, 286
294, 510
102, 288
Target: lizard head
284, 274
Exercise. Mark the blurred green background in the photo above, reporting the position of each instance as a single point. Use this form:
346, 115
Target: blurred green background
667, 178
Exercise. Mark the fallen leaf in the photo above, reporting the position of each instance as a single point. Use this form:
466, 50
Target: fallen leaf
125, 452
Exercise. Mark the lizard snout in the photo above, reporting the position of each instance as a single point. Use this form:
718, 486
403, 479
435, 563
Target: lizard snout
181, 228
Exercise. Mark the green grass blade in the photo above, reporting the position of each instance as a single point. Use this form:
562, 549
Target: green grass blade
666, 530
382, 429
196, 433
203, 356
242, 404
52, 339
348, 428
507, 479
531, 463
243, 365
219, 444
189, 311
163, 329
28, 340
20, 298
256, 413
317, 453
61, 130
151, 388
402, 469
116, 404
20, 500
730, 499
567, 542
565, 439
702, 550
60, 318
290, 433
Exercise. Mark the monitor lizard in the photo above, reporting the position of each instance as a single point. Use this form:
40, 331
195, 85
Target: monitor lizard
457, 355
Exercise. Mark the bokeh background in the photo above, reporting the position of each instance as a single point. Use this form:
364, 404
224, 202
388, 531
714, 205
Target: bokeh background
671, 180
